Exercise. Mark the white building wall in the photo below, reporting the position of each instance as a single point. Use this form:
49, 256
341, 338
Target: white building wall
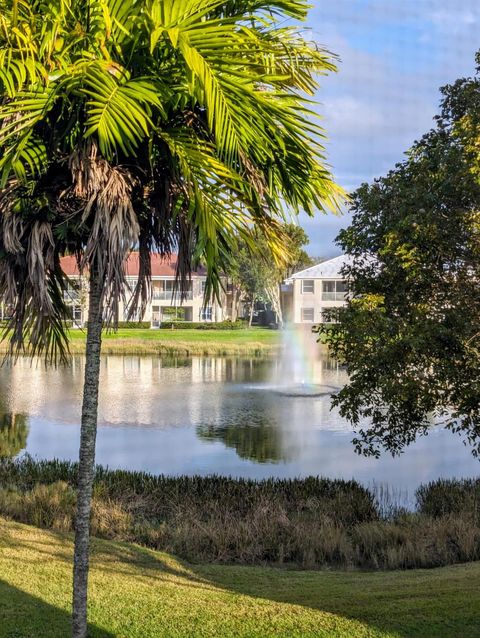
316, 290
304, 302
193, 304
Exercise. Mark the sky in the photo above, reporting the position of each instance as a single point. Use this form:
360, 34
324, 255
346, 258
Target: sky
394, 57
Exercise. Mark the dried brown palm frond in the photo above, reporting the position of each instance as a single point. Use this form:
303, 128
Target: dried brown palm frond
108, 212
31, 280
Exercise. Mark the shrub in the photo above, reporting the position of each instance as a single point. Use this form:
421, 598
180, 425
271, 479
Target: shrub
134, 324
51, 506
111, 520
416, 541
205, 325
449, 497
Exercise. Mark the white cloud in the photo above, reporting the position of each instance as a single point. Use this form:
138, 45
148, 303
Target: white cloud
394, 57
452, 19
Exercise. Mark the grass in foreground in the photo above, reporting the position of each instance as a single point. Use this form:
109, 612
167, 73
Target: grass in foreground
139, 593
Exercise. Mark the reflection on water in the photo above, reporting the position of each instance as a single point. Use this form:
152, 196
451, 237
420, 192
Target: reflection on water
13, 433
255, 442
210, 415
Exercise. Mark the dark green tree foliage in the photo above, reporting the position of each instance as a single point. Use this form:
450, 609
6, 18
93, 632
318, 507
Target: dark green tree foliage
410, 335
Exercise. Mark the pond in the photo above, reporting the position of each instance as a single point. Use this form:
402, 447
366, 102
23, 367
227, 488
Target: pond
208, 415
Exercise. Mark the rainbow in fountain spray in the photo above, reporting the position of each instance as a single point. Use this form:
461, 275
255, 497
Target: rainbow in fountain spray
299, 371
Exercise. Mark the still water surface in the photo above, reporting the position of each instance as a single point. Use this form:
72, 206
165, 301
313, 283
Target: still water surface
208, 415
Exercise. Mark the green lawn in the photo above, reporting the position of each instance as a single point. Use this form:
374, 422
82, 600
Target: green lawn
145, 594
243, 335
249, 341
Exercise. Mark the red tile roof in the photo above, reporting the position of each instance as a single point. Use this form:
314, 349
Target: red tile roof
69, 265
161, 266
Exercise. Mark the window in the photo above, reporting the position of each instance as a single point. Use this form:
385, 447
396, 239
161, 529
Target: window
72, 292
308, 285
77, 316
206, 313
334, 290
5, 312
173, 313
308, 315
168, 289
132, 283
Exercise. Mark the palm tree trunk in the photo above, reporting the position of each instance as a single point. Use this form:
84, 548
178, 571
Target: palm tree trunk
86, 468
252, 306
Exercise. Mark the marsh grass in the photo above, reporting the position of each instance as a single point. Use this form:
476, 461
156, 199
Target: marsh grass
308, 523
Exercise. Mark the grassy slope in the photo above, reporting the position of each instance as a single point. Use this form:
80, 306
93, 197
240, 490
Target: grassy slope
141, 593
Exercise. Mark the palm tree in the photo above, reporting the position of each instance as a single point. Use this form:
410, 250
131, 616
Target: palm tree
156, 124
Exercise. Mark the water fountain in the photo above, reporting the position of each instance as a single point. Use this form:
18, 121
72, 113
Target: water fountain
300, 371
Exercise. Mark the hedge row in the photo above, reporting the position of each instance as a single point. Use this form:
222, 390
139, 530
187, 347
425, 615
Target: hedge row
183, 325
198, 325
134, 324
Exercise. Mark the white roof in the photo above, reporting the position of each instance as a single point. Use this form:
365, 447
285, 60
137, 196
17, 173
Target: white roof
329, 269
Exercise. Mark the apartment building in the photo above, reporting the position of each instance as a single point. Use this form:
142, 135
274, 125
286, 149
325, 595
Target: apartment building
165, 304
317, 289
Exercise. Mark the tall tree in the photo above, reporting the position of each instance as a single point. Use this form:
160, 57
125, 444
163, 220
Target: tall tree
249, 270
410, 334
257, 276
297, 257
158, 124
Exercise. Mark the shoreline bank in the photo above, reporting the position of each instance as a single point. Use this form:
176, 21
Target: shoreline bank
254, 342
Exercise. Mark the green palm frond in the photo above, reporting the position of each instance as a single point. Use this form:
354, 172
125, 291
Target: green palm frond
163, 124
17, 72
26, 109
119, 109
26, 159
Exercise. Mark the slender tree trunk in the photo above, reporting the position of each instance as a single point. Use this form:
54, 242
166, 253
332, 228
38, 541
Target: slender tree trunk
280, 307
234, 303
274, 296
252, 306
86, 468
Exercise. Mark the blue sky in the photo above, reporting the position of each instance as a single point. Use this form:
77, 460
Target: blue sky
394, 56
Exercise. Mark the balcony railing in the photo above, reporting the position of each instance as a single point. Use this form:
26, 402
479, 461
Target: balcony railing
167, 295
71, 295
334, 296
